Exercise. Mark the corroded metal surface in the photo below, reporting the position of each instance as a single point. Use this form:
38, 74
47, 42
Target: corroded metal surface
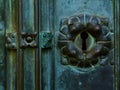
46, 39
11, 28
2, 45
27, 67
68, 76
28, 40
85, 40
11, 41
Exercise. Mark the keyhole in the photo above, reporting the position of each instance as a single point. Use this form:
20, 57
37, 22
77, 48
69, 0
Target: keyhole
84, 36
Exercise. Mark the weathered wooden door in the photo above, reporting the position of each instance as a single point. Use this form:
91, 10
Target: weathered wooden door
59, 44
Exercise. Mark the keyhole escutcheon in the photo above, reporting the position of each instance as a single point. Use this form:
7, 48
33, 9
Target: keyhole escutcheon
84, 36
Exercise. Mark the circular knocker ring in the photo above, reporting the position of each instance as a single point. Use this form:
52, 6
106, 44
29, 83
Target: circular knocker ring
85, 40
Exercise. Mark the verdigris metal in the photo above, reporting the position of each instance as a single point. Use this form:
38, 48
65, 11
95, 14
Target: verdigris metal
28, 40
11, 29
67, 77
39, 64
46, 39
11, 41
27, 15
2, 45
85, 40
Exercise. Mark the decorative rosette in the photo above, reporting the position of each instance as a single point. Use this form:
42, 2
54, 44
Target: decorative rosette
85, 40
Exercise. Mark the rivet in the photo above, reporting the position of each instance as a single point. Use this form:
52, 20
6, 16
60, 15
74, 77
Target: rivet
29, 39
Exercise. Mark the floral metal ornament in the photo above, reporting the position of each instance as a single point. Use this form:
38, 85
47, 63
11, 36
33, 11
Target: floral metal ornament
28, 40
85, 40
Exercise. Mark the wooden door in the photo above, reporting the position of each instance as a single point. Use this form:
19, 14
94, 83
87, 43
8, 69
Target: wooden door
59, 44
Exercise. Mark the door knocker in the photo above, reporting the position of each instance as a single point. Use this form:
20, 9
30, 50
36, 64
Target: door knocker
85, 40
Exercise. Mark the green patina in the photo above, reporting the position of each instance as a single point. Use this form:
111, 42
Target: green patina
46, 39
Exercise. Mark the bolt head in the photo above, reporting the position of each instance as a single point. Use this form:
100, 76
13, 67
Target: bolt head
29, 39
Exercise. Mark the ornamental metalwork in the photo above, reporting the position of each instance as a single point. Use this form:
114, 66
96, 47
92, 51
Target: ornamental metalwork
28, 40
11, 41
85, 40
